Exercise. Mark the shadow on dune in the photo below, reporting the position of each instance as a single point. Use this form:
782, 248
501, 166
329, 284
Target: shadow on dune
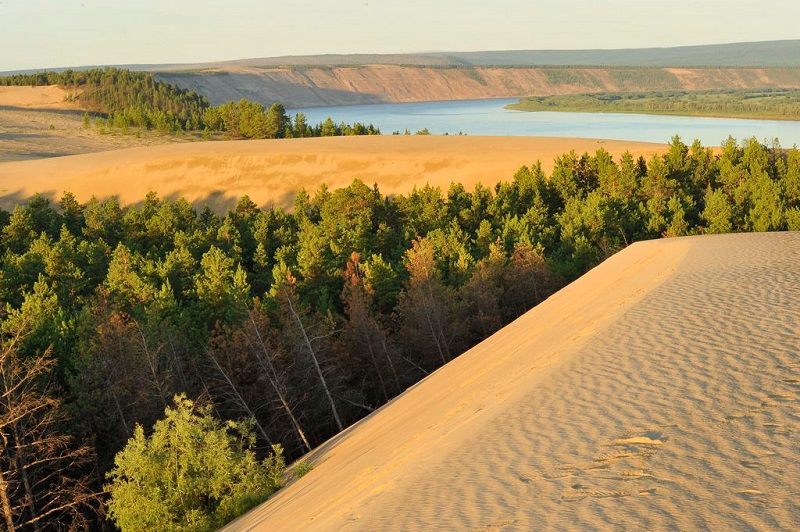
9, 199
218, 201
65, 112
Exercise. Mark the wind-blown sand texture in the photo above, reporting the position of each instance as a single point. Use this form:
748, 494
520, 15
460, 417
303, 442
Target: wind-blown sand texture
659, 391
272, 171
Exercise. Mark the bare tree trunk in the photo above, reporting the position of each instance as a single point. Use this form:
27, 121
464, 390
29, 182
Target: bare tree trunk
375, 365
44, 462
435, 336
121, 415
178, 364
5, 503
316, 365
239, 398
272, 376
152, 364
391, 364
22, 467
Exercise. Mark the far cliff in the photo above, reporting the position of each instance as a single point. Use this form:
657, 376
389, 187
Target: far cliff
312, 81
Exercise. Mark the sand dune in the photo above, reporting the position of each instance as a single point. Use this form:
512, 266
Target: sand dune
41, 122
271, 171
659, 391
45, 97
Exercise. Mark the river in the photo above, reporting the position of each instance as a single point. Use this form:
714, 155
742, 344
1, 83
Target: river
488, 117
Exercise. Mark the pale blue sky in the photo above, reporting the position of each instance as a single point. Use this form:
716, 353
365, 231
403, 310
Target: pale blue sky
50, 33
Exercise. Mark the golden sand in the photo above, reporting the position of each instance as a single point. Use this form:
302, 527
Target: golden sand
658, 392
272, 171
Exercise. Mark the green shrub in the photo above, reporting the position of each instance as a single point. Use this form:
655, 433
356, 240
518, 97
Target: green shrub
303, 468
192, 473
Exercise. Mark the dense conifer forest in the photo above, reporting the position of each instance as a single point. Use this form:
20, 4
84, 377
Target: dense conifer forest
299, 323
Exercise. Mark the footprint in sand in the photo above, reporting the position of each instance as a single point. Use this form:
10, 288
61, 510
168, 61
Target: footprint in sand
757, 460
738, 416
496, 526
580, 492
751, 465
634, 474
646, 441
782, 397
776, 428
615, 455
560, 472
751, 495
774, 400
754, 497
616, 468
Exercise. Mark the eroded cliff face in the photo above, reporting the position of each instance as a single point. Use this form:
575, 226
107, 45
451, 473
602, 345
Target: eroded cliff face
327, 86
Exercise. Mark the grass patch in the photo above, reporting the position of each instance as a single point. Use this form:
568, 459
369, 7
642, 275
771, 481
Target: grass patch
303, 468
475, 75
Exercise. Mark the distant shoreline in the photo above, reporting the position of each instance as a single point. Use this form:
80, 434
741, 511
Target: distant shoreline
766, 104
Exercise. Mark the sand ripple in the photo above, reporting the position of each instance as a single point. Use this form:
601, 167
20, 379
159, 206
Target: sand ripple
680, 410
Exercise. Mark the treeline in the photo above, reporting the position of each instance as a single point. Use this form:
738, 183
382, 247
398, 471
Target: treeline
126, 99
303, 322
249, 120
753, 103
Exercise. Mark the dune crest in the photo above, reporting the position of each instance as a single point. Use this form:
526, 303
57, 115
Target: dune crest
660, 390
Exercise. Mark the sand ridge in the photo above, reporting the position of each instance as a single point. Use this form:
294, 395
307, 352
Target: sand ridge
272, 171
659, 391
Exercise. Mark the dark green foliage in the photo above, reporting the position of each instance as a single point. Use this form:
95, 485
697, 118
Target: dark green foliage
192, 473
287, 318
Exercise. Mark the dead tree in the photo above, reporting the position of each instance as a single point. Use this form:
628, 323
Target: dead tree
44, 482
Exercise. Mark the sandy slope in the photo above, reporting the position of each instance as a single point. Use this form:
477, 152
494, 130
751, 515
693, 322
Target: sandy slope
271, 171
659, 391
47, 97
40, 122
